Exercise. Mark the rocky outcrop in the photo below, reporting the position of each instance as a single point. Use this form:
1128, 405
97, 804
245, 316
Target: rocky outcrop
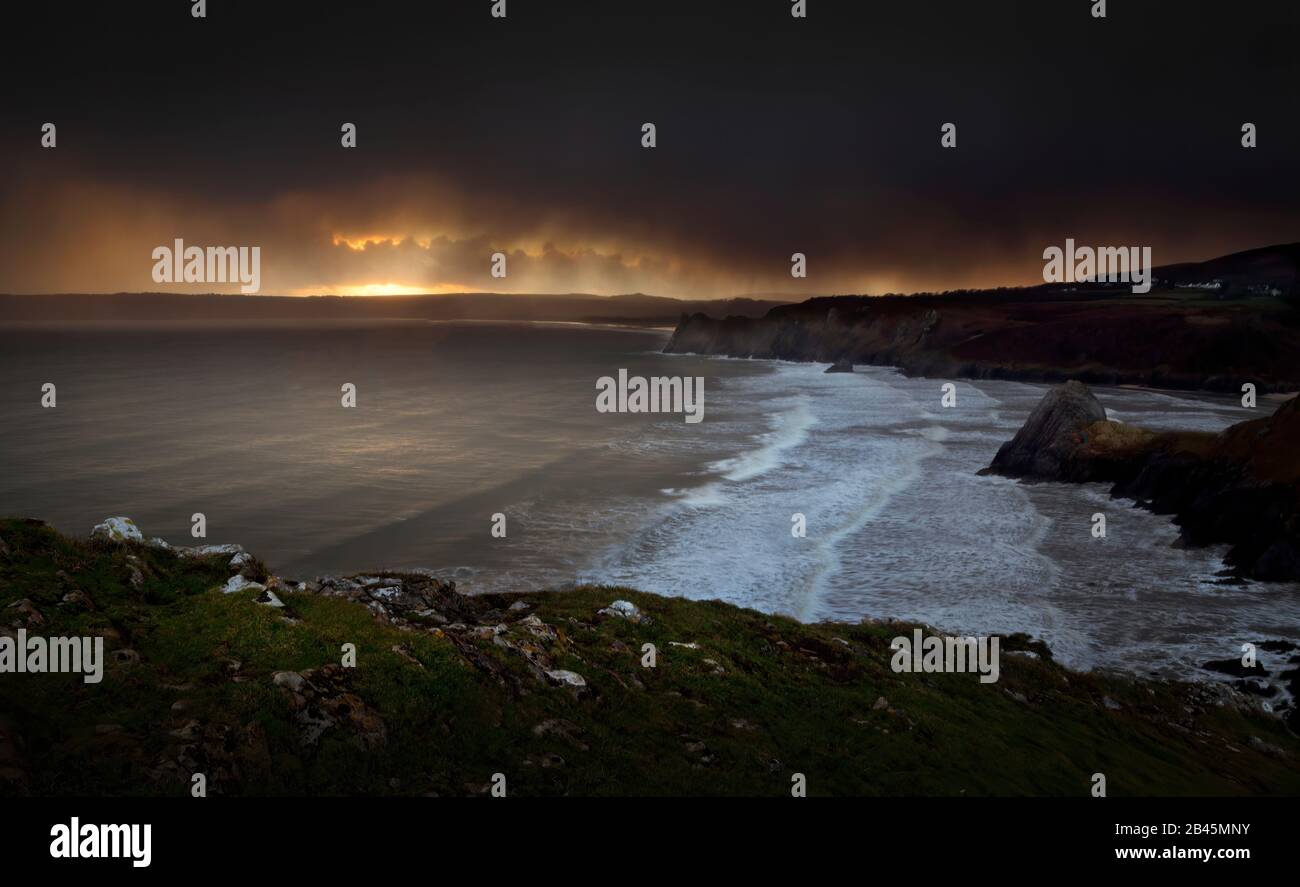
1240, 487
1048, 444
117, 529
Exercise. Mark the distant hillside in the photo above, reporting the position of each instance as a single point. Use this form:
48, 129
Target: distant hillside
1211, 325
634, 308
1263, 271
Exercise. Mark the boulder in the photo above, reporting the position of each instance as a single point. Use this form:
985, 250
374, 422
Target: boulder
566, 678
843, 365
1053, 434
239, 583
622, 610
117, 529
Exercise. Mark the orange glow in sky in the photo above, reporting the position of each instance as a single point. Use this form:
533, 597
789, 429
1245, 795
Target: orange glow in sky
385, 289
377, 239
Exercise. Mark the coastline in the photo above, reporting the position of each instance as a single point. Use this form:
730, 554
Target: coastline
1096, 338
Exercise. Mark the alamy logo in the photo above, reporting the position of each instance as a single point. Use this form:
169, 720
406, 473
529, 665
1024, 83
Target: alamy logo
658, 394
37, 655
76, 841
946, 654
1087, 265
215, 264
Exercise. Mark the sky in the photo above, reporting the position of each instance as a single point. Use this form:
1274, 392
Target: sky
523, 135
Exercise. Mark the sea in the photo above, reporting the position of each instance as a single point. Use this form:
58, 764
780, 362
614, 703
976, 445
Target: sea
460, 427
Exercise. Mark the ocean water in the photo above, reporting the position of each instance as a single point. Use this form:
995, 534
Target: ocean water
459, 421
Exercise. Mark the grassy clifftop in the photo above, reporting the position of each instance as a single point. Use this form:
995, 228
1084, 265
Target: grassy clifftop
544, 688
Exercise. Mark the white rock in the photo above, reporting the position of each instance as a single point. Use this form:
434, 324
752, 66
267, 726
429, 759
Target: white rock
538, 628
239, 583
238, 561
229, 548
372, 581
567, 678
690, 646
117, 529
157, 542
288, 679
623, 610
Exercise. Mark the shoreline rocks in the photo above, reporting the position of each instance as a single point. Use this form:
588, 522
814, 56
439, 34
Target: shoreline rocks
1240, 487
1052, 437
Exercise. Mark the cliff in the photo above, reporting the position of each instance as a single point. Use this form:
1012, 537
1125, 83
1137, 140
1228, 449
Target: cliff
1096, 334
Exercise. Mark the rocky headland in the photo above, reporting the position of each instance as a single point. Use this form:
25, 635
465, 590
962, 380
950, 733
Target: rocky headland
1240, 487
1245, 327
398, 683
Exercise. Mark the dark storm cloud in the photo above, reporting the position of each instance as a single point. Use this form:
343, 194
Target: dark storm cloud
775, 135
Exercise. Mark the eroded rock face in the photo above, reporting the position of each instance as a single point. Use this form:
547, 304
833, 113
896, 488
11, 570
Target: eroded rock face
1047, 444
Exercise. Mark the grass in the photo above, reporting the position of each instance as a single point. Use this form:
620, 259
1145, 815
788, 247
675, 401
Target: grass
762, 698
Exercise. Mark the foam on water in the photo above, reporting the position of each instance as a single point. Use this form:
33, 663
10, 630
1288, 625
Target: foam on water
900, 524
789, 430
